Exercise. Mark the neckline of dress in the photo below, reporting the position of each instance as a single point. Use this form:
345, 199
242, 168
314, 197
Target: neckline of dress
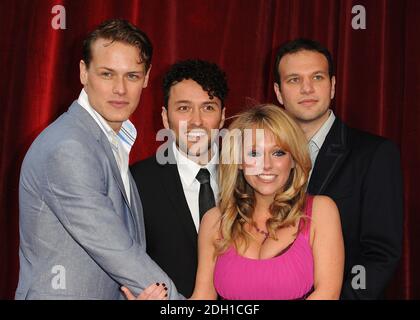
282, 253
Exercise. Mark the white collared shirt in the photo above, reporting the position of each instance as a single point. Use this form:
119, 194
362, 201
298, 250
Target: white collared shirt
188, 170
121, 143
318, 139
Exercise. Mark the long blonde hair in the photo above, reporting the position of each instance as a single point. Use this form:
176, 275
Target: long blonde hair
237, 200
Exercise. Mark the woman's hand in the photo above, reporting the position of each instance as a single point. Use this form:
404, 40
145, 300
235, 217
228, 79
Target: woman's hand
156, 291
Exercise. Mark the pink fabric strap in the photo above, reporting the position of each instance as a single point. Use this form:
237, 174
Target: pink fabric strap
308, 214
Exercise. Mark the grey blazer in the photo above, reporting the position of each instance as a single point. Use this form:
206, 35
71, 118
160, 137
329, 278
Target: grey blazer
79, 236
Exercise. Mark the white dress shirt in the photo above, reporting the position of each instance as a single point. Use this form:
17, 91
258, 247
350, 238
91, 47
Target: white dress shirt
188, 170
318, 139
121, 143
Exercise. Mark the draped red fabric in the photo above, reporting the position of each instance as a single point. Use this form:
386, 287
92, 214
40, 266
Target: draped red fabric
378, 80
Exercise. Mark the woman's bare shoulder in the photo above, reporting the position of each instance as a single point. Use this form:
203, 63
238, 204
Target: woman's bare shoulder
211, 219
325, 217
324, 209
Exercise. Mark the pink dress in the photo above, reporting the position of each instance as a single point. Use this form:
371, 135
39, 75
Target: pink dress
287, 276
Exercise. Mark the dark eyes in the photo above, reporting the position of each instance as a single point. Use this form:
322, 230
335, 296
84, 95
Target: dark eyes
297, 80
106, 74
183, 108
208, 107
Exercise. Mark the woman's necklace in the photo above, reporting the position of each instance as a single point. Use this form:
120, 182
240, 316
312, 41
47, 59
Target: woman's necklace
265, 233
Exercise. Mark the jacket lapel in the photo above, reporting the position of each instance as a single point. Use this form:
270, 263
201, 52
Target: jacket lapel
137, 209
330, 158
171, 183
134, 205
114, 167
89, 123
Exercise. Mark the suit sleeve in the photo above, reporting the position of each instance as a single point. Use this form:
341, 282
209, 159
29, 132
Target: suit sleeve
381, 224
77, 193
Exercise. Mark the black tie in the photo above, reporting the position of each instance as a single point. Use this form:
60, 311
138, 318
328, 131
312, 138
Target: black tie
206, 196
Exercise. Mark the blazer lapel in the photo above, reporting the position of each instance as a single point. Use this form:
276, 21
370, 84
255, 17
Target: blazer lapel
114, 167
137, 209
330, 158
171, 183
133, 206
89, 123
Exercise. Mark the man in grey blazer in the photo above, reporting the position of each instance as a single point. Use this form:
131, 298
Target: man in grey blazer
81, 220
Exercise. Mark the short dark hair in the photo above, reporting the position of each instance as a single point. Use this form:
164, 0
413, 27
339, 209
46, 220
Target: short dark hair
297, 45
208, 75
122, 31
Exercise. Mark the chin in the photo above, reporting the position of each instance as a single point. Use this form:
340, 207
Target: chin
119, 117
266, 193
199, 151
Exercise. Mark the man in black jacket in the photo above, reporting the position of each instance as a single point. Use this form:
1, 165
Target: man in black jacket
361, 172
172, 182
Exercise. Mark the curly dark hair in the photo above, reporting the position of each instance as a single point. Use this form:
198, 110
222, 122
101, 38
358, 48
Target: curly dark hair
208, 75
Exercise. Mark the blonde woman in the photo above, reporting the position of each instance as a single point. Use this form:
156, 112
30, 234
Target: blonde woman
268, 239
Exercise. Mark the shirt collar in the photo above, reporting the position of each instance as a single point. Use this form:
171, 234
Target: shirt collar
319, 137
188, 169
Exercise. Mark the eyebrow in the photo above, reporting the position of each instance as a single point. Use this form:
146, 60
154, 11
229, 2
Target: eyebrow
291, 75
183, 101
297, 75
109, 69
210, 102
189, 101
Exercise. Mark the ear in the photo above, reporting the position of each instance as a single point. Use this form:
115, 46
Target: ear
332, 87
222, 120
165, 118
83, 72
278, 93
146, 78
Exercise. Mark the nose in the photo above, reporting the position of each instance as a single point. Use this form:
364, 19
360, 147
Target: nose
196, 117
307, 86
267, 162
119, 86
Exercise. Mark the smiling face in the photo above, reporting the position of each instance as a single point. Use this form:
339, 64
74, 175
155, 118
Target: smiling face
114, 80
266, 166
305, 87
191, 114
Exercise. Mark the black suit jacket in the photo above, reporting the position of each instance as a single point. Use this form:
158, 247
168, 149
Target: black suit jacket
171, 236
362, 174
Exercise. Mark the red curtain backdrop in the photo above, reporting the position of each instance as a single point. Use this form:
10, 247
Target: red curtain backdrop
377, 80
